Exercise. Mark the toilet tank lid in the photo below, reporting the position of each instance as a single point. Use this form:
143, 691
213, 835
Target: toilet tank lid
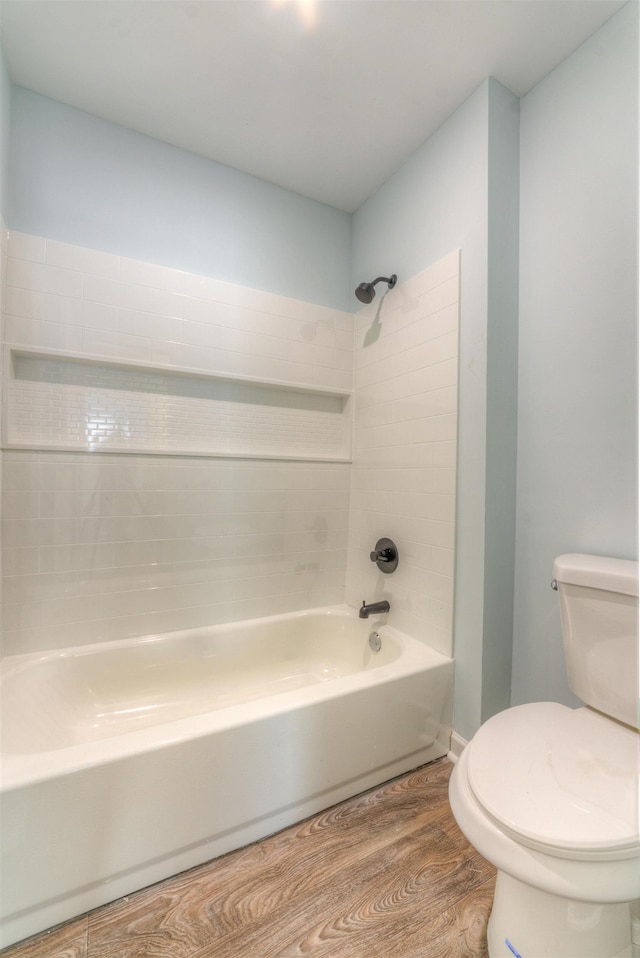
597, 572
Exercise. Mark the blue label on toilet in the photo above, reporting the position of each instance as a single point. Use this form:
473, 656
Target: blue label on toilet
511, 948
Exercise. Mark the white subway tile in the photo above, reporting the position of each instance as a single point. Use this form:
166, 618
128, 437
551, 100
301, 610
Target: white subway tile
56, 503
24, 302
131, 296
198, 310
187, 357
19, 504
149, 274
166, 303
20, 331
36, 588
21, 616
445, 269
173, 280
78, 557
42, 278
344, 339
33, 472
138, 272
20, 561
26, 246
338, 379
212, 290
79, 312
150, 325
100, 289
444, 454
116, 345
38, 532
94, 262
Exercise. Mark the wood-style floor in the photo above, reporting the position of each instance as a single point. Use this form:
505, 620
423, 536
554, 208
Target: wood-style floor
387, 874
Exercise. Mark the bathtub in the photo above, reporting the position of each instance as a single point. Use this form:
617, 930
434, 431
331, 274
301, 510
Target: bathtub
126, 762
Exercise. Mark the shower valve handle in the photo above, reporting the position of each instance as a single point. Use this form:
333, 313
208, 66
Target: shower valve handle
382, 555
385, 555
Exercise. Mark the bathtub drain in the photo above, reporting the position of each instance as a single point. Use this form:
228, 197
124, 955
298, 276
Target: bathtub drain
375, 642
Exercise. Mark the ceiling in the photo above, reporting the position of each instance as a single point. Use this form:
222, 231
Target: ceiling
325, 98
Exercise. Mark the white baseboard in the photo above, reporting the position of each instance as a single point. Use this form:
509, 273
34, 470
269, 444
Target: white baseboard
457, 745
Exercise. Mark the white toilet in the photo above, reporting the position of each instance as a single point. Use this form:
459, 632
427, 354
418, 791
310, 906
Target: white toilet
549, 794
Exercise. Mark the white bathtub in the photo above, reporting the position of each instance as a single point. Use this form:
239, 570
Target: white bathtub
126, 762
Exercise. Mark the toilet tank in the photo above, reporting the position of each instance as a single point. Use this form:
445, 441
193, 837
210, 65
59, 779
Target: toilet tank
599, 612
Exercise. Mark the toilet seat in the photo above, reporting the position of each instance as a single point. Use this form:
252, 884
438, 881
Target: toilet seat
559, 780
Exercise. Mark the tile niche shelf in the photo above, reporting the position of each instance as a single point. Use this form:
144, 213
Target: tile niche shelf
67, 402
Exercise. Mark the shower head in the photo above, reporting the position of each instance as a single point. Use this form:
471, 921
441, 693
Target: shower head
365, 291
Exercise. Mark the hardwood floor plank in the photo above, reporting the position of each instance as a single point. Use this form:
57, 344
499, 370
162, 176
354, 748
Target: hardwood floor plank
386, 874
211, 902
66, 941
462, 931
364, 916
364, 901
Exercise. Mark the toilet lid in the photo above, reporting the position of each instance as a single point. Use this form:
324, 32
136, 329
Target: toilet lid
561, 779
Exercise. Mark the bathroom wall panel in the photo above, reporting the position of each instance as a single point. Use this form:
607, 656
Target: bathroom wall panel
130, 556
172, 317
100, 547
404, 470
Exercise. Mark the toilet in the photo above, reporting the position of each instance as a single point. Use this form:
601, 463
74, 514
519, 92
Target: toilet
549, 794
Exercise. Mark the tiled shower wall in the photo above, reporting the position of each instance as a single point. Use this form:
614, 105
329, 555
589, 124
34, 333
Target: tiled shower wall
105, 546
404, 466
101, 550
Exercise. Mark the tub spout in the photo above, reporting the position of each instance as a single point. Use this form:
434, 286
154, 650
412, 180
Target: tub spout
372, 608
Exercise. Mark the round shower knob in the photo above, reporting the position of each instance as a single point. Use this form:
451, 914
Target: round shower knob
385, 555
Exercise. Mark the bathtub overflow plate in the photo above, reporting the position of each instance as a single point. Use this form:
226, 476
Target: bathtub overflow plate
375, 642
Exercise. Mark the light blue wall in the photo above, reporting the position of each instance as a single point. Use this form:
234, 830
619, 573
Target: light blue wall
81, 180
502, 392
439, 201
5, 137
577, 445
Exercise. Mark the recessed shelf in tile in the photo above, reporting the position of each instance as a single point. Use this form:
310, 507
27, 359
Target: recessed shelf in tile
57, 401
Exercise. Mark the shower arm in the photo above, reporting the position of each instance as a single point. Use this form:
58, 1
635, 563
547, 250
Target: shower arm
390, 280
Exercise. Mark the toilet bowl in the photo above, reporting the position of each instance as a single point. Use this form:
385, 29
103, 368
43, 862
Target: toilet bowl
549, 794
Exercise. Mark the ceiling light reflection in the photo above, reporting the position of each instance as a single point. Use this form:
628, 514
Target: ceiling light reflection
307, 11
